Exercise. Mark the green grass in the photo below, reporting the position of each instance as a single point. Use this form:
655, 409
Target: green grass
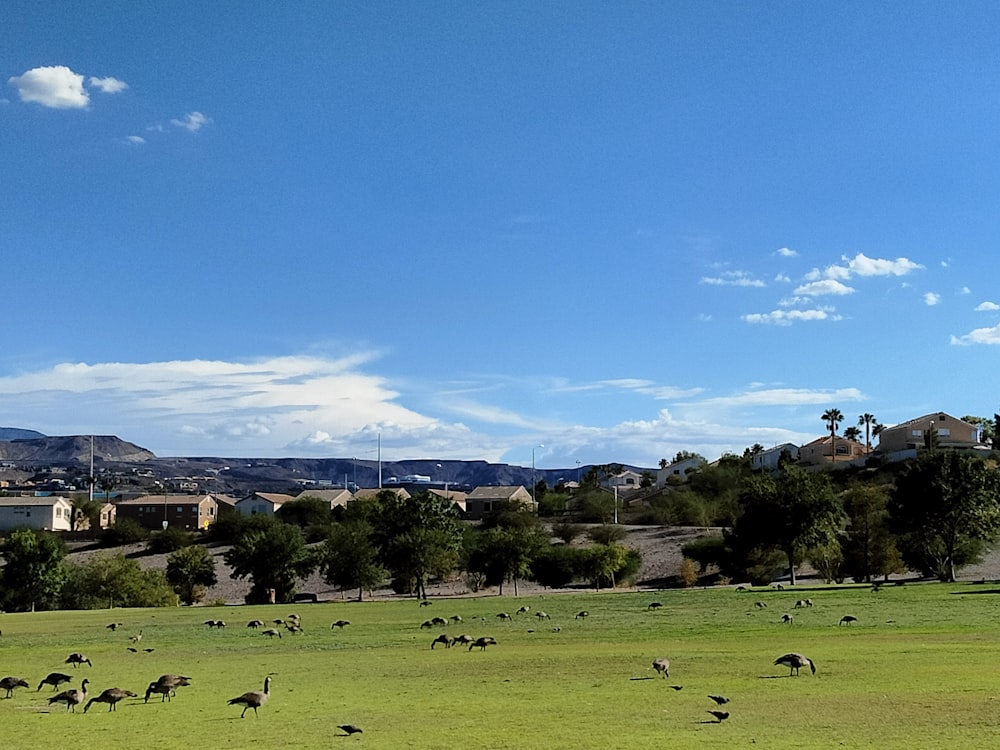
918, 670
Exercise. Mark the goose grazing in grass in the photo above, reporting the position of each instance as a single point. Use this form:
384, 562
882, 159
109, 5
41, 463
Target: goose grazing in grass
720, 716
253, 699
719, 699
72, 697
662, 666
9, 683
76, 659
111, 696
55, 679
349, 729
795, 662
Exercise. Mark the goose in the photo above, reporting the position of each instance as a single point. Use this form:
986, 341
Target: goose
9, 683
720, 716
662, 665
719, 699
72, 697
253, 699
795, 662
111, 696
55, 679
349, 728
76, 659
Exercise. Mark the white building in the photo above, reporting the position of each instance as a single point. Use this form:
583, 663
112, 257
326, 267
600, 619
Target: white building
51, 513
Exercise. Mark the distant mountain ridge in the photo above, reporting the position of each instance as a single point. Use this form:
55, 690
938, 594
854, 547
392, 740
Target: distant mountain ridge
16, 433
71, 448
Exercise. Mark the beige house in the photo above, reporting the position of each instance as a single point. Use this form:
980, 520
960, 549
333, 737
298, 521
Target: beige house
455, 498
371, 493
829, 451
914, 434
336, 497
48, 513
484, 500
189, 512
267, 503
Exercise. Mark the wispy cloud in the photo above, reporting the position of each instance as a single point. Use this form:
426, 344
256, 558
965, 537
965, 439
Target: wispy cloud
733, 278
824, 287
192, 122
931, 298
786, 252
862, 265
978, 336
135, 140
108, 85
987, 307
787, 397
787, 317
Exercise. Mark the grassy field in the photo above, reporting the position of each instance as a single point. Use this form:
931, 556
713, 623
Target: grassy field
919, 669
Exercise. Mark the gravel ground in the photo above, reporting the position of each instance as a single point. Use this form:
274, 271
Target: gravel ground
660, 547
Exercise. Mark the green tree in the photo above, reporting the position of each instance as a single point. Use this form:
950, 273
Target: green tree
793, 512
869, 546
86, 511
505, 553
418, 538
349, 558
685, 455
191, 570
852, 433
945, 509
833, 418
34, 574
273, 555
108, 580
305, 511
867, 421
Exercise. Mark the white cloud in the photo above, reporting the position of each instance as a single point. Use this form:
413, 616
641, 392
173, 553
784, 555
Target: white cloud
192, 121
787, 397
54, 86
978, 336
733, 278
987, 307
965, 290
931, 298
862, 265
137, 140
786, 252
782, 278
826, 286
108, 85
787, 317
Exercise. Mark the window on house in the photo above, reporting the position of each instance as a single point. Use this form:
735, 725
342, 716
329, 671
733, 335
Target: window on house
943, 432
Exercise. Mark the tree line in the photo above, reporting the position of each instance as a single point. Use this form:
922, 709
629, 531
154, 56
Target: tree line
405, 543
934, 515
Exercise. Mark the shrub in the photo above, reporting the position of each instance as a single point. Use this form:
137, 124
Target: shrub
706, 551
124, 531
113, 580
607, 534
558, 566
567, 531
169, 540
688, 572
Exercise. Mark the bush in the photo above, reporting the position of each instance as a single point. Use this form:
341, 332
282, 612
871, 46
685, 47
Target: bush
114, 581
607, 534
558, 566
169, 540
706, 551
567, 531
124, 531
688, 573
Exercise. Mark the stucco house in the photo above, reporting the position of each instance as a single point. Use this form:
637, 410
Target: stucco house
48, 513
266, 503
484, 500
189, 512
455, 498
679, 471
336, 497
768, 459
914, 434
831, 451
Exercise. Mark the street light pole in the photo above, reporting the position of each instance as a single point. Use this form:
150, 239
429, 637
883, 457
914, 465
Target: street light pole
534, 502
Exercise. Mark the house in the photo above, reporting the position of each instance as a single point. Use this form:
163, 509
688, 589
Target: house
190, 512
769, 458
484, 500
267, 503
457, 499
914, 434
51, 513
678, 471
370, 493
625, 480
831, 451
336, 497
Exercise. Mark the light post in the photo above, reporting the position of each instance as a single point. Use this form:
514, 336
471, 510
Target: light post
445, 484
533, 501
355, 474
578, 475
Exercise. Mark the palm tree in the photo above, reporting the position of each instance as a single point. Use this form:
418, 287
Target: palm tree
833, 418
869, 422
852, 433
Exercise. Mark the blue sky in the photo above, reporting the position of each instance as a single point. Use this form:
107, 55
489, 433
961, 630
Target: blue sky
615, 230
